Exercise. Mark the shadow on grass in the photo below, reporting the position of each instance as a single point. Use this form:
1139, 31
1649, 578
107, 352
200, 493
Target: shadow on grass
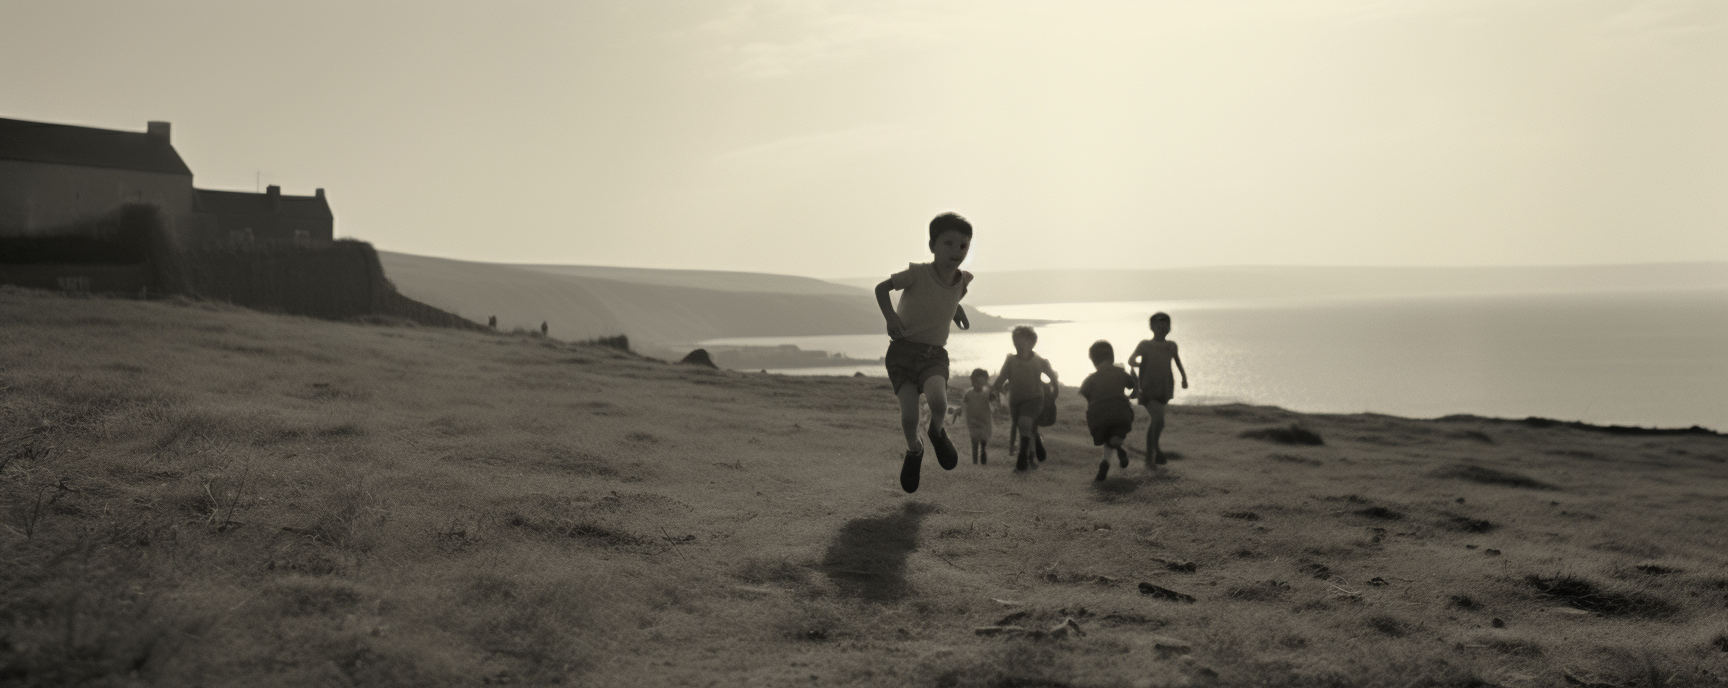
868, 558
1121, 486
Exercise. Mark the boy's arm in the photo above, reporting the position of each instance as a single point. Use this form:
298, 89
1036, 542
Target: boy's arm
1057, 386
1177, 357
1001, 378
895, 327
960, 318
1134, 358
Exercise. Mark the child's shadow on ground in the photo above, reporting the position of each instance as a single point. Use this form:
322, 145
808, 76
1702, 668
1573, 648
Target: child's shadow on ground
868, 558
1121, 486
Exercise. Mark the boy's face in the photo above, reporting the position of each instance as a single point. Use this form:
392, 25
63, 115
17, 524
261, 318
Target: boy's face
949, 249
1160, 327
1023, 345
978, 382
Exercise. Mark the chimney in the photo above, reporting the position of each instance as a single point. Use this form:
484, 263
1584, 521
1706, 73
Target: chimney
275, 193
319, 194
158, 129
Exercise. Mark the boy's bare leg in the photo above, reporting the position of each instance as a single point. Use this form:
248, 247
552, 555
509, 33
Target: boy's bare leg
908, 396
910, 467
936, 394
1154, 430
1023, 426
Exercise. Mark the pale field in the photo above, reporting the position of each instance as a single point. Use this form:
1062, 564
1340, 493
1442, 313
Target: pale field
201, 495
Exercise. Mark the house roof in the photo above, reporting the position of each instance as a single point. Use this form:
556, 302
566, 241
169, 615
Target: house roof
246, 203
70, 145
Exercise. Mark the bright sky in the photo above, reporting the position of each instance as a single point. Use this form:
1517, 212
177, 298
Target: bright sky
817, 138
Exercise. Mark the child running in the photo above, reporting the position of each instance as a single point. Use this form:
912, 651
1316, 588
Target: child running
918, 329
979, 425
1108, 414
1022, 373
1157, 386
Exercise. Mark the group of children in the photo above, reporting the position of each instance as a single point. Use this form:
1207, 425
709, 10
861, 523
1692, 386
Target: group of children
917, 364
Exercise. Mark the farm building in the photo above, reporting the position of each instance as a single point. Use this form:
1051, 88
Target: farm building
59, 180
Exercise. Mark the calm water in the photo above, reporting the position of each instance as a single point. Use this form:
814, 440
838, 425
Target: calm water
1644, 358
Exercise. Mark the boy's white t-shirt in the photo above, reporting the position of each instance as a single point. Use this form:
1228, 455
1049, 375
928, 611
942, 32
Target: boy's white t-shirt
926, 305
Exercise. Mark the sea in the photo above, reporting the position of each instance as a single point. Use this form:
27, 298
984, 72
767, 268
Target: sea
1636, 358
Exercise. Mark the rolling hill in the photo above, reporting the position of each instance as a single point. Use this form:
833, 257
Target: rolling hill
657, 308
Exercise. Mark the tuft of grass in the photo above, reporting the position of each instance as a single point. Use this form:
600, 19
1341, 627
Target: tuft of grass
1589, 596
1490, 476
1294, 434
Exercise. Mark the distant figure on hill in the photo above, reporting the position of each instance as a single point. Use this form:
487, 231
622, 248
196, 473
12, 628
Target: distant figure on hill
492, 321
979, 424
1157, 386
1023, 374
542, 328
917, 361
1108, 414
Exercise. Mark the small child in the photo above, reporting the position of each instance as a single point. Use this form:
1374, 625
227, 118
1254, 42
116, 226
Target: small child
1022, 372
918, 327
1108, 414
1157, 386
977, 403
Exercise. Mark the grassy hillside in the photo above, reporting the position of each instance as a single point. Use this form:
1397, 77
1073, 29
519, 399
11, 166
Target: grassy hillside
200, 495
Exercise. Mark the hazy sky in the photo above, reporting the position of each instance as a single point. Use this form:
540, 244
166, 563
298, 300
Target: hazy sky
818, 138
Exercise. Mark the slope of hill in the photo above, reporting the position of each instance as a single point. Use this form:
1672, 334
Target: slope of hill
658, 308
1278, 282
194, 494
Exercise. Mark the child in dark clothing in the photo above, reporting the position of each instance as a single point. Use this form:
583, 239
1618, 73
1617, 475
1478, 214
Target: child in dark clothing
1108, 414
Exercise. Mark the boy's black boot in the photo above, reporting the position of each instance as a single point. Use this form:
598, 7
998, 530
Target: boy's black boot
1039, 441
909, 471
946, 456
1122, 456
1103, 470
984, 455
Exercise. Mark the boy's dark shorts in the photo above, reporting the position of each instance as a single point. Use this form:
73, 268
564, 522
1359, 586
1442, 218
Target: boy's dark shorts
1109, 420
914, 362
1104, 430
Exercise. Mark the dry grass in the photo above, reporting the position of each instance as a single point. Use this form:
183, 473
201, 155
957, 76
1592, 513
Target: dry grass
193, 494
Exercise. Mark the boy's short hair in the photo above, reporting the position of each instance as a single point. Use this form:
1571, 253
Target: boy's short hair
1160, 315
979, 373
946, 221
1025, 331
1101, 352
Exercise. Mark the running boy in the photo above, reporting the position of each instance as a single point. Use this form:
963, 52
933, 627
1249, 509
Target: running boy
1022, 372
918, 327
1108, 414
1157, 386
977, 403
